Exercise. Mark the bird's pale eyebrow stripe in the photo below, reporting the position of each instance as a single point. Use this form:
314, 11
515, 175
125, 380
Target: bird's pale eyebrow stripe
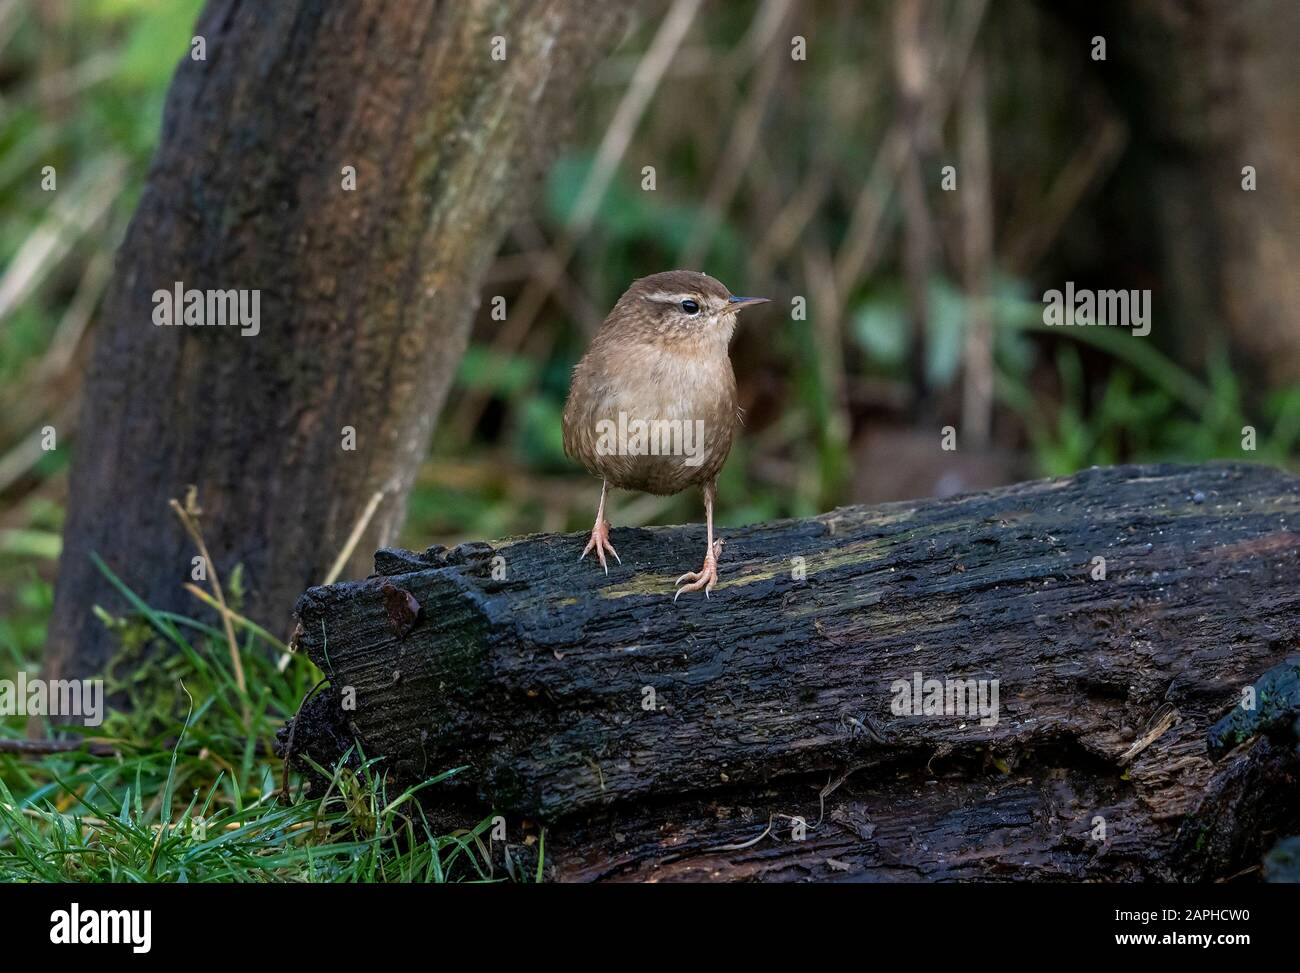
668, 298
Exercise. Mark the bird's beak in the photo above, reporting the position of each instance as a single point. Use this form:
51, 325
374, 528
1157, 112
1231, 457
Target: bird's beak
736, 303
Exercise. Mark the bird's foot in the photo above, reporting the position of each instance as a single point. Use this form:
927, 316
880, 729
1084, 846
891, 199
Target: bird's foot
600, 541
706, 577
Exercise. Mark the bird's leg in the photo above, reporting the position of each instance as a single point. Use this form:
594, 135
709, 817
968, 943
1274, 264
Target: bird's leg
600, 533
707, 576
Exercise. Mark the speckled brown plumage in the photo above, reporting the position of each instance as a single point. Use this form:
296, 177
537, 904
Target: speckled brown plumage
659, 358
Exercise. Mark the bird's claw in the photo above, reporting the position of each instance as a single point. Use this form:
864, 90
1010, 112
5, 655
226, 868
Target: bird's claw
600, 541
704, 578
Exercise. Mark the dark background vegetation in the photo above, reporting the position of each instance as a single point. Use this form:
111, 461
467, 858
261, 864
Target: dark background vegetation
817, 179
762, 163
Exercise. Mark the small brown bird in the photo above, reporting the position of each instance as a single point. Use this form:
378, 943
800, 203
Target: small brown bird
652, 406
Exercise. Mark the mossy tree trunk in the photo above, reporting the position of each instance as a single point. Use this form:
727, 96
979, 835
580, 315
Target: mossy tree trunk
366, 293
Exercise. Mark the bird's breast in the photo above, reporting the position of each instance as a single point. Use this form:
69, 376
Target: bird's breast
657, 421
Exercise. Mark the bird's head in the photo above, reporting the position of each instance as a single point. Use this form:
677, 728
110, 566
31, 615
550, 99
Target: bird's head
680, 306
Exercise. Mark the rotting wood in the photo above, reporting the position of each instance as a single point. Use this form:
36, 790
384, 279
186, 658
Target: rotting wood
772, 715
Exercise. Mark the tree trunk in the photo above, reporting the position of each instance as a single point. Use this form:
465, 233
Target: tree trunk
1119, 614
1216, 92
366, 294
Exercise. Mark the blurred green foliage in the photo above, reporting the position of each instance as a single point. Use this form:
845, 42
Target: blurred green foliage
83, 84
82, 87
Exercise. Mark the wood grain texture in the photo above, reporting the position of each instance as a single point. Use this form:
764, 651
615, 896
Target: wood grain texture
780, 687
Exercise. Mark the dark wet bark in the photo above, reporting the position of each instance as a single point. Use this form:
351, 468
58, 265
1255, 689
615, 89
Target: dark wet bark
774, 699
366, 296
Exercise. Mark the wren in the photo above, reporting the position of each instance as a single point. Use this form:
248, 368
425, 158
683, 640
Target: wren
652, 406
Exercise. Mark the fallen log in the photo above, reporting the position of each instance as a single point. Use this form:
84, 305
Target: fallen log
1016, 684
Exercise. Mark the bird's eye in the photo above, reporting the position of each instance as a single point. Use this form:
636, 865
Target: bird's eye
690, 307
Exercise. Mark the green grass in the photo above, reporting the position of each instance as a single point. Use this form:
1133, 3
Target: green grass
193, 793
1070, 398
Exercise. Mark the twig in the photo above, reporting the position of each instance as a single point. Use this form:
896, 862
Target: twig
52, 89
354, 538
50, 394
740, 846
1032, 230
977, 257
1168, 719
791, 220
568, 292
8, 21
188, 515
28, 452
861, 245
340, 562
293, 728
41, 748
243, 621
741, 141
73, 216
645, 82
819, 271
